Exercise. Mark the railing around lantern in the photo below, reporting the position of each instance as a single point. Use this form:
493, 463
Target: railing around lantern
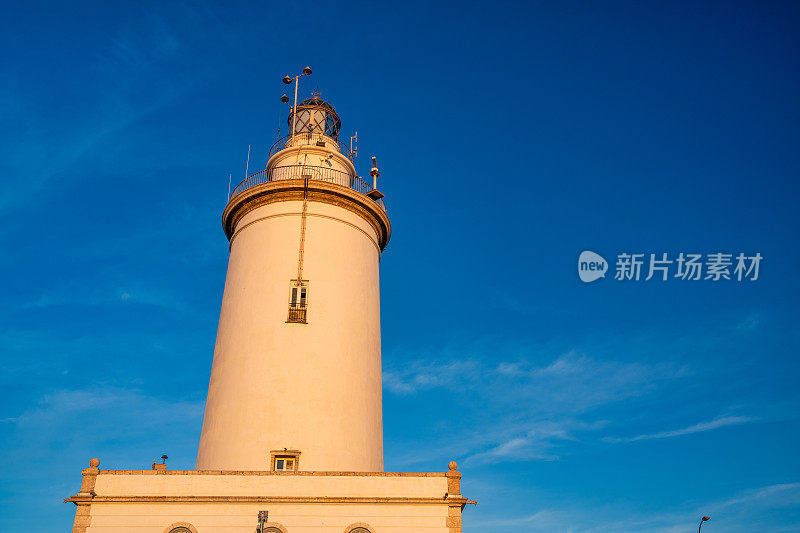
306, 138
289, 172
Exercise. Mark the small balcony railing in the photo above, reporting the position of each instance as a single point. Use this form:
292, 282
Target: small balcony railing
302, 172
297, 313
306, 138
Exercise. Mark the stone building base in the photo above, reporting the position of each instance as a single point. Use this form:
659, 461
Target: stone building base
197, 501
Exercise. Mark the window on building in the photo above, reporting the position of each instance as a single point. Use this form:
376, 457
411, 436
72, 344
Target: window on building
298, 301
284, 464
285, 460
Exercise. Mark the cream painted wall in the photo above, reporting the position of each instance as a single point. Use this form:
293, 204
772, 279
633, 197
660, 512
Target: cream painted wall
331, 484
151, 501
313, 387
242, 517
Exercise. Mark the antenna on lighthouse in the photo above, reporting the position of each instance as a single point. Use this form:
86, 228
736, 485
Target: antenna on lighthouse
354, 147
247, 167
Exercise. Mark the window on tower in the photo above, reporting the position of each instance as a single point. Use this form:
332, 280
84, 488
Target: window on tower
285, 460
298, 301
285, 464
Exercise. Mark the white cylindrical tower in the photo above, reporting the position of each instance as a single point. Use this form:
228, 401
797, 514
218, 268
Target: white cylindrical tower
296, 378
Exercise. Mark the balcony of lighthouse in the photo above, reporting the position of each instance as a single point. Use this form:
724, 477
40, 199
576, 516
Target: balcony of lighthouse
291, 158
312, 138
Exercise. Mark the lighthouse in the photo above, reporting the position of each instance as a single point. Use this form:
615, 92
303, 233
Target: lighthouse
296, 376
292, 437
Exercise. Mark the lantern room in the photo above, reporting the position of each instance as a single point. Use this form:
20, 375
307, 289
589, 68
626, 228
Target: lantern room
315, 116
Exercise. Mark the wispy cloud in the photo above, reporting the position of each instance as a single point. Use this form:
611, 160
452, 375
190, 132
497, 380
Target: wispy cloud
125, 84
695, 428
103, 418
545, 518
531, 409
745, 512
424, 376
602, 378
45, 446
105, 296
752, 321
538, 441
778, 495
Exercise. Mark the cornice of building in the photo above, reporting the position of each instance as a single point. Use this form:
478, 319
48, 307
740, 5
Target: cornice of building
267, 473
315, 191
272, 499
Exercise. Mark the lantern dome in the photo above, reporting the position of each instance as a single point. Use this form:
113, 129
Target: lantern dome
316, 116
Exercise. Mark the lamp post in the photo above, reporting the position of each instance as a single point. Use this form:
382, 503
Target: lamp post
288, 81
704, 519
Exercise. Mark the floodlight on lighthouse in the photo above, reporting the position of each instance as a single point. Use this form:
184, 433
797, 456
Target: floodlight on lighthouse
285, 99
374, 172
375, 194
288, 80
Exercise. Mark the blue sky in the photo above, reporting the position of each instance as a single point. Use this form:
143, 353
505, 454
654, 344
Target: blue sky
511, 137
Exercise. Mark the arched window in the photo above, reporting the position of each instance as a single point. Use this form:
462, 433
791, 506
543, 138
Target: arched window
359, 528
180, 527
